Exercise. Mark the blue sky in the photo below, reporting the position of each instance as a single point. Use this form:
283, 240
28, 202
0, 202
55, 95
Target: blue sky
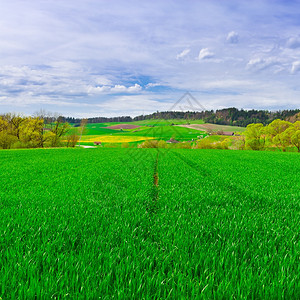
109, 58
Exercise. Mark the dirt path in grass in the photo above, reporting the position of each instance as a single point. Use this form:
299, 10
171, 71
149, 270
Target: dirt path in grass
213, 127
202, 127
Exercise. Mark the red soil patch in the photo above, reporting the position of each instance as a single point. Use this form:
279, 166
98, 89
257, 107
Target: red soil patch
123, 126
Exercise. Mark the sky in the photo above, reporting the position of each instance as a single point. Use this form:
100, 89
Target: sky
88, 58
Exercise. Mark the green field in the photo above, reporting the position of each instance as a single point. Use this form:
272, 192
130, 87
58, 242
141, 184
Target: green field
148, 129
158, 129
147, 224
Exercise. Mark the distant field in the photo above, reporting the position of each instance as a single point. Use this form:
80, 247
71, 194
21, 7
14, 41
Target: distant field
182, 130
215, 127
152, 129
142, 223
113, 138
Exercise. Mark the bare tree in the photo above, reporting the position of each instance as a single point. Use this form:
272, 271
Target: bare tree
83, 124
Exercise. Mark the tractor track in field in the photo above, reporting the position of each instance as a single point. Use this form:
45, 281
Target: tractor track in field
155, 188
193, 165
152, 207
228, 186
155, 175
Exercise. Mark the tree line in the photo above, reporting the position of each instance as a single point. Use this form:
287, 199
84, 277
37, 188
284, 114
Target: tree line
279, 133
17, 131
228, 116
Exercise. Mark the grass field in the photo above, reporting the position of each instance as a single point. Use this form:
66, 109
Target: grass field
148, 129
141, 223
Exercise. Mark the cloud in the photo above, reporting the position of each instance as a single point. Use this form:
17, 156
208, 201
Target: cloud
205, 54
118, 88
98, 89
293, 42
131, 105
228, 83
183, 54
295, 67
258, 64
102, 80
232, 37
135, 88
90, 51
150, 85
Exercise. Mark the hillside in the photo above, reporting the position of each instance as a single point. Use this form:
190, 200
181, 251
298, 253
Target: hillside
160, 129
228, 116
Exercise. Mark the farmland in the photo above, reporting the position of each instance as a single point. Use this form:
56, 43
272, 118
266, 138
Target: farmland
142, 223
150, 129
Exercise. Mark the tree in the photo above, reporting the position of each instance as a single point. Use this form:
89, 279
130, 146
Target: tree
83, 124
59, 129
32, 133
3, 124
255, 136
7, 139
72, 139
295, 139
276, 135
292, 135
16, 123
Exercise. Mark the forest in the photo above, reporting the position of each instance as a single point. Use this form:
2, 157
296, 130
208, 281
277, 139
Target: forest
227, 116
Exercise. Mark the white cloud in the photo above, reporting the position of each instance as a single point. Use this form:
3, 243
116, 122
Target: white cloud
73, 58
98, 89
205, 54
228, 83
135, 88
293, 42
113, 89
183, 54
131, 105
102, 80
258, 64
119, 88
295, 67
150, 85
232, 37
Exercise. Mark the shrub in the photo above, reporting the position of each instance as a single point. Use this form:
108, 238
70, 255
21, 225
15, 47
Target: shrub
183, 146
204, 144
125, 145
72, 139
149, 144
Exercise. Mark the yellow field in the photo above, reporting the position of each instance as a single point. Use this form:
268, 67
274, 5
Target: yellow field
113, 138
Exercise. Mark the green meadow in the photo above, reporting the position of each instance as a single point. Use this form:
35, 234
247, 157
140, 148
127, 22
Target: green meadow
147, 129
149, 224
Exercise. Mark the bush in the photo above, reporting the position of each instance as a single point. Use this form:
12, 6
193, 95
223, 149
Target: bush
72, 140
149, 144
111, 145
183, 146
204, 144
162, 144
7, 140
125, 145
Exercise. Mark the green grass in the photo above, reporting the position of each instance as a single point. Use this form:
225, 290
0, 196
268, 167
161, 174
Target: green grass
90, 223
156, 128
165, 132
98, 129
